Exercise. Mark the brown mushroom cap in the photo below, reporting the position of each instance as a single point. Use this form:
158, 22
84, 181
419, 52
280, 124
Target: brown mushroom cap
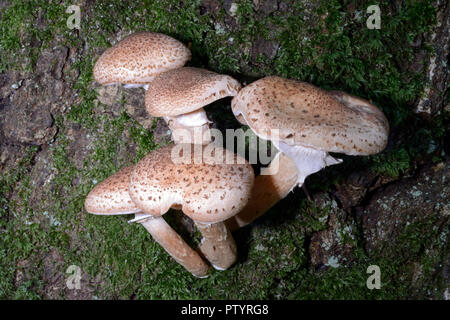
111, 195
138, 58
311, 117
206, 192
187, 89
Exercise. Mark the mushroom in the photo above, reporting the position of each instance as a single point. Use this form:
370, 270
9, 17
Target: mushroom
111, 197
138, 58
179, 96
208, 190
305, 123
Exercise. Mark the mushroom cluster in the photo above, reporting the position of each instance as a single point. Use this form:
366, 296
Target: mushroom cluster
221, 196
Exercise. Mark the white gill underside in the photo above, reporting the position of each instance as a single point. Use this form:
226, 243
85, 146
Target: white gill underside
218, 268
136, 85
307, 160
192, 119
138, 217
167, 201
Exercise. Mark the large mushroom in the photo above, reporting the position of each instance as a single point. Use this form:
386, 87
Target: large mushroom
179, 96
111, 197
198, 181
305, 123
137, 59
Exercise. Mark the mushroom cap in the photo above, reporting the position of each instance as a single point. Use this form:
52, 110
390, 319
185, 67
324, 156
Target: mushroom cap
138, 58
187, 89
308, 116
206, 191
111, 196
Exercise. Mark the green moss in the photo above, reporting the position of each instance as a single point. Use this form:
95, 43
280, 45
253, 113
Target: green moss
337, 53
28, 26
17, 238
421, 247
391, 163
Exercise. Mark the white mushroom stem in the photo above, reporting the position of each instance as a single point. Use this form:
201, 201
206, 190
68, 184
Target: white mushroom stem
175, 246
217, 245
191, 127
273, 184
307, 160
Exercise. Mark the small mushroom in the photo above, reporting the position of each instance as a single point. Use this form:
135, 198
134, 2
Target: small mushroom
310, 122
111, 197
179, 96
137, 59
200, 184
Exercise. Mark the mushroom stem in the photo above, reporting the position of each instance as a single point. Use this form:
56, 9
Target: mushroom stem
191, 127
277, 180
217, 245
176, 246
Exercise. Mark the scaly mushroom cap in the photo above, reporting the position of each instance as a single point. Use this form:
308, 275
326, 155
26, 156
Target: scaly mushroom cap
111, 195
187, 89
138, 58
205, 191
310, 117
